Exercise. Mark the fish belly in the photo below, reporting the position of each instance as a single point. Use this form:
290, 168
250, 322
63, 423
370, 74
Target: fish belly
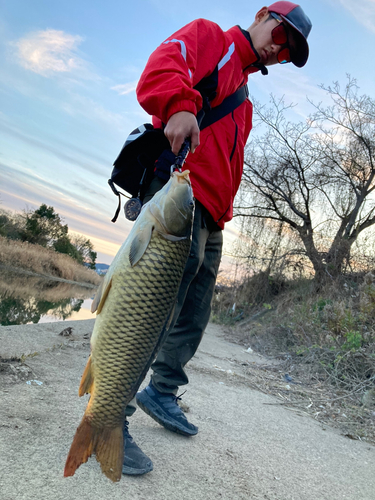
131, 326
128, 332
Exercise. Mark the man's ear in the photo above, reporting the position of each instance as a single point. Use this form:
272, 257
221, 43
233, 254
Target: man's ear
261, 15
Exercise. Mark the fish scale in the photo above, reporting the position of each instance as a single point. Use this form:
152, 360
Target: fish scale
133, 305
115, 365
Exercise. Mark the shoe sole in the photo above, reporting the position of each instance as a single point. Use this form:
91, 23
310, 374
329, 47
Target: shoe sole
128, 471
156, 413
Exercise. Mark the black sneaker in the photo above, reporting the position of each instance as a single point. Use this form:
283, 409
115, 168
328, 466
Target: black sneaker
135, 461
164, 409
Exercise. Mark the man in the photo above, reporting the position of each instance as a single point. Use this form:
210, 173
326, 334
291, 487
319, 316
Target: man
199, 64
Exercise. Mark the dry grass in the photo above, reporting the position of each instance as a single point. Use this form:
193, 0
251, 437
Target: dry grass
325, 341
23, 287
308, 393
44, 261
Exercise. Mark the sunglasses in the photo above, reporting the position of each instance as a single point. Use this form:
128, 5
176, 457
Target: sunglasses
280, 37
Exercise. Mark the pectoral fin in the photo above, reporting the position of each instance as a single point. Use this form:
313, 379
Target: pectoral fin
101, 295
171, 237
140, 243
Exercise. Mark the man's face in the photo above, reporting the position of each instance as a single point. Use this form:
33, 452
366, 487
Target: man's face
261, 36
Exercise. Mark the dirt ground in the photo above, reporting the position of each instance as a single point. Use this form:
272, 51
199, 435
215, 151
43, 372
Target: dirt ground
248, 446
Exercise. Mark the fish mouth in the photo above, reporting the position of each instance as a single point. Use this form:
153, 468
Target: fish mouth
182, 176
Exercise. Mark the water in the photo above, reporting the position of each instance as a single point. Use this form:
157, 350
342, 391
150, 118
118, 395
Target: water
29, 299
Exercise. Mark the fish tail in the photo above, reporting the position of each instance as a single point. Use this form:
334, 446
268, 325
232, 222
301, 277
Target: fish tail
110, 452
107, 443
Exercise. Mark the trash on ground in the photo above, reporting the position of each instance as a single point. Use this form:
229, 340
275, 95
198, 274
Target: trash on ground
37, 382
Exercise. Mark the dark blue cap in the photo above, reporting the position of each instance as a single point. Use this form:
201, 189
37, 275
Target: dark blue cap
295, 18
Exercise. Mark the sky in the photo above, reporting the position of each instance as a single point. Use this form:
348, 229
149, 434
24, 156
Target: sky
67, 92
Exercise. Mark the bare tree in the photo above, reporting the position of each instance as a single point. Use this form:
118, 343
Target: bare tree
316, 178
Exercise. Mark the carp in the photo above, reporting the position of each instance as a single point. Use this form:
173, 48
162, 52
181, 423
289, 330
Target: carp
134, 305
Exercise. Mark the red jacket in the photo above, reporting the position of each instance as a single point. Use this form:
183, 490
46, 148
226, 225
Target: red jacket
166, 86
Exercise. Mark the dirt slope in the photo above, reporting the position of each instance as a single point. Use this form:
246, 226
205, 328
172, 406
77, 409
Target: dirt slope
246, 447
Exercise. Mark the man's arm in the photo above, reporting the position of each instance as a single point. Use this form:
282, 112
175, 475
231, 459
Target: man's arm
181, 125
166, 87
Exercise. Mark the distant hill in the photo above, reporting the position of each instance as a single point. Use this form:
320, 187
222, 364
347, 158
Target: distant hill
101, 268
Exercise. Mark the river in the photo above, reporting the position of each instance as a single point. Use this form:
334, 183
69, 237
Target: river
31, 299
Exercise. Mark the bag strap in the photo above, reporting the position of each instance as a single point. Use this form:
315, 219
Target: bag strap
117, 193
229, 104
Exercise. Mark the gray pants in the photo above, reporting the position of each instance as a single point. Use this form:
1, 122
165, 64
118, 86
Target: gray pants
193, 306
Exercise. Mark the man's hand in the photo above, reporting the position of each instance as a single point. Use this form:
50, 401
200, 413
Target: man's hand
179, 126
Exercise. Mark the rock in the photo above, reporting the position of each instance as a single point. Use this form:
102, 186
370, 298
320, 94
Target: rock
67, 332
17, 372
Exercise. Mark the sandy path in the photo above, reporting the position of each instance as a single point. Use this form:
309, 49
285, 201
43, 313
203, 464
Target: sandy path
246, 448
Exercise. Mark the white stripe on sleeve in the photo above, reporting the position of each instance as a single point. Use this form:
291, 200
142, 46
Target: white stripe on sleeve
227, 56
183, 46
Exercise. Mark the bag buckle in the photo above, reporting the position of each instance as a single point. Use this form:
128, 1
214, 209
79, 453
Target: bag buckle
132, 207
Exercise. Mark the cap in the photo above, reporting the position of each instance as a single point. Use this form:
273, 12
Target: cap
294, 16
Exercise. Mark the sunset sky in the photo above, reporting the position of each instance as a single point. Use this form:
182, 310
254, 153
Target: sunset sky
67, 91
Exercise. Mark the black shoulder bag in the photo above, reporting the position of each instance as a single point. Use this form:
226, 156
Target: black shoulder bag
133, 169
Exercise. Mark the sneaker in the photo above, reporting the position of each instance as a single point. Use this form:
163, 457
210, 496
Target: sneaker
164, 409
135, 461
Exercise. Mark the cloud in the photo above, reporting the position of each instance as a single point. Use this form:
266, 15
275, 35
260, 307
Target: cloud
294, 86
49, 52
363, 12
90, 109
91, 218
56, 150
125, 88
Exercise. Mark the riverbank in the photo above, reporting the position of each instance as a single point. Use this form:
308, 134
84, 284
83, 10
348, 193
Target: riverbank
45, 262
25, 272
248, 445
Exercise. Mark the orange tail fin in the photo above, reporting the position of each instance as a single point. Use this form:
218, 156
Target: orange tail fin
106, 443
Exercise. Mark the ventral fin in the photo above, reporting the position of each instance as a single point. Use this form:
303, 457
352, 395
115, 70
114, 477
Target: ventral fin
140, 243
87, 379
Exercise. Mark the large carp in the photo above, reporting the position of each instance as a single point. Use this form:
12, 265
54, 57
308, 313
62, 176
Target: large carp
133, 306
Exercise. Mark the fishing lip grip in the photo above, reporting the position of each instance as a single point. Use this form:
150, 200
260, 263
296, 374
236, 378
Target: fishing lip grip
133, 207
181, 157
